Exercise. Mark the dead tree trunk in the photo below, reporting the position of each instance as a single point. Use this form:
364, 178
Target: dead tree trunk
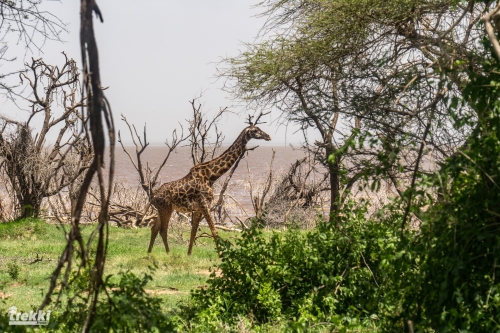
34, 169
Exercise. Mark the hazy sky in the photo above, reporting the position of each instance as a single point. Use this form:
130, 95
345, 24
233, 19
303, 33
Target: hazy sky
156, 55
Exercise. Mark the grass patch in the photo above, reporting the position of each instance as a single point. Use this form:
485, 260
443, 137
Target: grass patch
23, 229
30, 248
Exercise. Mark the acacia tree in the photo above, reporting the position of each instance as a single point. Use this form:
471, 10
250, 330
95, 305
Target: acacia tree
36, 168
368, 76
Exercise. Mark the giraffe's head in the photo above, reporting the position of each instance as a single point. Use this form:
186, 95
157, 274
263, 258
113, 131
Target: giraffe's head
253, 132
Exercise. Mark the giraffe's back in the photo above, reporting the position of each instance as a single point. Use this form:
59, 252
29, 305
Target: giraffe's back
185, 195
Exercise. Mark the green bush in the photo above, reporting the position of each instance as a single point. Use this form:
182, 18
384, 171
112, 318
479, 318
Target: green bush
128, 308
454, 285
327, 275
13, 270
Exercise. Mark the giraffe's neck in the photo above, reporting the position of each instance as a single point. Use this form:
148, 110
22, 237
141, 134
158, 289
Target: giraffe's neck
219, 166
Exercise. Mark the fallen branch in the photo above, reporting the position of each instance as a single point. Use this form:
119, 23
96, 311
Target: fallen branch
223, 228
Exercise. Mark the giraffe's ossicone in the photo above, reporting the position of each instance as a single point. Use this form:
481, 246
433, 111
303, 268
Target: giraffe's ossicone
193, 193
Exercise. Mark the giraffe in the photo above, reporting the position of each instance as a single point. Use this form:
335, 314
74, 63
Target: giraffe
194, 194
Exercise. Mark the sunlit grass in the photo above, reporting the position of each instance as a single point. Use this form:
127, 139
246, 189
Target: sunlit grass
29, 250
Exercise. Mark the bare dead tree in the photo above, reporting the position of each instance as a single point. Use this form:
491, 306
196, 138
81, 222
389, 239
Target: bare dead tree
297, 193
23, 22
35, 169
148, 177
25, 19
300, 185
127, 207
202, 145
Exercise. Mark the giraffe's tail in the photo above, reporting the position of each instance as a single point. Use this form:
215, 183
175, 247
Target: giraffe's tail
145, 212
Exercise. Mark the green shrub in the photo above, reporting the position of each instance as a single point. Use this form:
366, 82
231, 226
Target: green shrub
443, 277
13, 270
129, 308
328, 275
447, 273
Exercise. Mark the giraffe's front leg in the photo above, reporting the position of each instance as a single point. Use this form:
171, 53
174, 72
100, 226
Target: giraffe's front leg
197, 216
211, 224
164, 219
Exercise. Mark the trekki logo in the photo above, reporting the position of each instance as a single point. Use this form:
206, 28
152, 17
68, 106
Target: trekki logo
25, 318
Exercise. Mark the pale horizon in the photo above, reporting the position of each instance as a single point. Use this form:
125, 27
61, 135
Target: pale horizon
155, 58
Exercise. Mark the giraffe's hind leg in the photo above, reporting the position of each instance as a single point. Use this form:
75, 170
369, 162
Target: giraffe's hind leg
164, 219
211, 224
197, 216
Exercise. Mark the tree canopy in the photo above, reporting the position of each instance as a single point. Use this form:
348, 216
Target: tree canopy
374, 78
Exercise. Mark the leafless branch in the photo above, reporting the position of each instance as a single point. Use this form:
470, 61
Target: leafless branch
204, 144
147, 179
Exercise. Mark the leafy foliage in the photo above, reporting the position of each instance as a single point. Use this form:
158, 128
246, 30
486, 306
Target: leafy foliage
328, 275
455, 287
125, 307
437, 276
